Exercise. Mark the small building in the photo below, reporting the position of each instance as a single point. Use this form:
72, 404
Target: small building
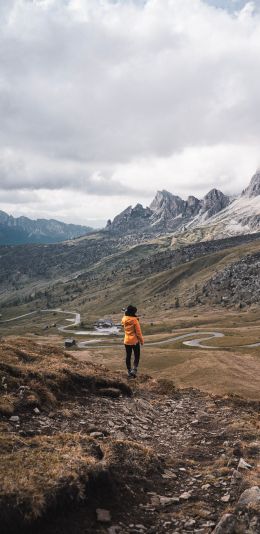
69, 343
104, 323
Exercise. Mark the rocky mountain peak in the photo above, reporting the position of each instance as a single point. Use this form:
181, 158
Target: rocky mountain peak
214, 201
164, 199
253, 190
4, 217
192, 201
165, 202
131, 219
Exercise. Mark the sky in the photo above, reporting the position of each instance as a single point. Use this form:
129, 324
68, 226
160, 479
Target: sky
104, 102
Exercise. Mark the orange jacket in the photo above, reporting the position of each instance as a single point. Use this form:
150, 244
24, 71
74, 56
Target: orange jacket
133, 332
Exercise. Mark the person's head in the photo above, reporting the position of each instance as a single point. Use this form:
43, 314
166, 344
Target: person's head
130, 311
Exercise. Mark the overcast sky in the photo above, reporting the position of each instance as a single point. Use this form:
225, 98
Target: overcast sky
103, 102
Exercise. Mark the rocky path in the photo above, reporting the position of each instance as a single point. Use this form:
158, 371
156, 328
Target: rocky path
200, 441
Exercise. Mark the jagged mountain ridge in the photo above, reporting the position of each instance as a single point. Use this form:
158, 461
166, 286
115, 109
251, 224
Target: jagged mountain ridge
168, 212
216, 215
22, 230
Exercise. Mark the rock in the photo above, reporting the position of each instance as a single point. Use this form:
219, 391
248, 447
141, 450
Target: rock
238, 449
144, 405
37, 411
225, 498
236, 477
113, 530
243, 464
103, 516
97, 435
168, 475
205, 486
185, 495
155, 500
226, 525
190, 523
14, 419
254, 448
163, 501
167, 501
249, 498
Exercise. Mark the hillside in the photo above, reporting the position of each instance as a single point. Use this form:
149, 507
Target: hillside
22, 230
84, 451
98, 275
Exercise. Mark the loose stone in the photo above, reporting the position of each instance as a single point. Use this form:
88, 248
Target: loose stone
103, 516
14, 419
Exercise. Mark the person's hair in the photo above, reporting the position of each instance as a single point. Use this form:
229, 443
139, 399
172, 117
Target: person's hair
130, 311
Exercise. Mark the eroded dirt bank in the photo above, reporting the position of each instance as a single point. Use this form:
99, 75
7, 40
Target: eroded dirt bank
83, 450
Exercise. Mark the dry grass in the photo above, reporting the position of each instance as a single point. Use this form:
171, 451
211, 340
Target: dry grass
44, 472
214, 371
34, 375
41, 473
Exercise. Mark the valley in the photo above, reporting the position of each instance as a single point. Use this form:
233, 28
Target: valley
222, 356
211, 286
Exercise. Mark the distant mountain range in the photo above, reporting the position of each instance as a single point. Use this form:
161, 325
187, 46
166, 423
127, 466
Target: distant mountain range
215, 216
22, 230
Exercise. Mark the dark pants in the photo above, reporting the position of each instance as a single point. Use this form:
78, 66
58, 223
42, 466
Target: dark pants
136, 349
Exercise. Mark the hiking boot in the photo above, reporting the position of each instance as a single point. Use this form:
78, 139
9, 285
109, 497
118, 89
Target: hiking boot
129, 374
134, 372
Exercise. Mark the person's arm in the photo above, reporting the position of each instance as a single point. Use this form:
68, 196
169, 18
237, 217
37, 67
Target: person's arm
138, 332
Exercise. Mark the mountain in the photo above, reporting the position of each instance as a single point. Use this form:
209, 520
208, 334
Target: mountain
22, 230
168, 213
242, 216
215, 216
130, 220
253, 190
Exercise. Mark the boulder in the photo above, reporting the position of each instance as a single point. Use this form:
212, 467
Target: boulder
226, 525
250, 498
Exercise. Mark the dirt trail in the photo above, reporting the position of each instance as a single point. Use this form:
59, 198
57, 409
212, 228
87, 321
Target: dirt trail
196, 437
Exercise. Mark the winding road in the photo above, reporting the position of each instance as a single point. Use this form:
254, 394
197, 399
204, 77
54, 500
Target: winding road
75, 321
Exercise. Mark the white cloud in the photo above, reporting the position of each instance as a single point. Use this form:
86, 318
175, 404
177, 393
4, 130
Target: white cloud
119, 98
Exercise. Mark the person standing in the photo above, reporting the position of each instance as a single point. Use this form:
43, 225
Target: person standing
133, 338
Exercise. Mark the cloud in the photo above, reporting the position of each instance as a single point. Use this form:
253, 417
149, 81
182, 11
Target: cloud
29, 172
95, 95
76, 207
194, 171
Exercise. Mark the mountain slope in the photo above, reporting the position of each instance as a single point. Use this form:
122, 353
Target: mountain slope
242, 216
96, 277
22, 230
